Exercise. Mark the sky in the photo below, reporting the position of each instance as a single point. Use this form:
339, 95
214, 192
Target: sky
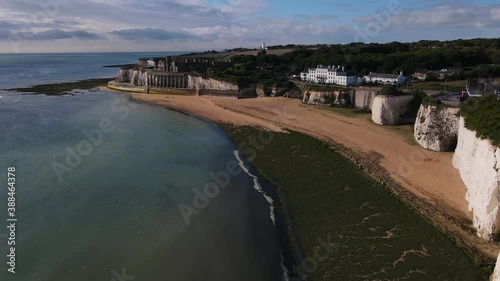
39, 26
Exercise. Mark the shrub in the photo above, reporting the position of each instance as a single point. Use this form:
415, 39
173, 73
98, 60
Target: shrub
391, 90
482, 115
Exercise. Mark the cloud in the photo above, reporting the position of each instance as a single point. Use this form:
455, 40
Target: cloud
149, 34
52, 34
467, 17
316, 17
188, 24
6, 24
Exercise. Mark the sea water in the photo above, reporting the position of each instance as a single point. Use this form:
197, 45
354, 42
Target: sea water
94, 201
108, 189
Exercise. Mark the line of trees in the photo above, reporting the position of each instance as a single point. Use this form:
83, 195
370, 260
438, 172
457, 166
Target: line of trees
396, 56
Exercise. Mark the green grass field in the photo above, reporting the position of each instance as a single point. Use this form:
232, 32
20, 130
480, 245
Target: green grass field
451, 86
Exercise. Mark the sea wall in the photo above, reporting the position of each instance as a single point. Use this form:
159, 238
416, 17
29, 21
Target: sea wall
158, 79
437, 128
478, 162
387, 110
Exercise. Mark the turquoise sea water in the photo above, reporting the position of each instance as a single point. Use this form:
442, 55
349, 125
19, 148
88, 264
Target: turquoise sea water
19, 70
119, 207
100, 182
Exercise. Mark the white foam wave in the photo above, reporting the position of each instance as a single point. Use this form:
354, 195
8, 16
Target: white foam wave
257, 186
268, 198
285, 270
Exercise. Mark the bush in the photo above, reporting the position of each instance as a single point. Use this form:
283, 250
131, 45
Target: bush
428, 100
244, 82
391, 90
482, 115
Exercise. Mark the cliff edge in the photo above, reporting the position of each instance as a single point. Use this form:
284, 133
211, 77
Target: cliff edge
387, 110
478, 162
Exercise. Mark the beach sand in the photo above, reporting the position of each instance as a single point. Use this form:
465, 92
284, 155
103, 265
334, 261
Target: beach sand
428, 177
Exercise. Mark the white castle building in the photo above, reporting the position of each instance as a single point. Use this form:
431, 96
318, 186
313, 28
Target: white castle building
329, 75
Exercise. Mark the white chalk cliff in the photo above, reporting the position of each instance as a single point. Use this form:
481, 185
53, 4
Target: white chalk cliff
436, 128
496, 273
386, 110
316, 97
478, 162
138, 77
200, 83
133, 76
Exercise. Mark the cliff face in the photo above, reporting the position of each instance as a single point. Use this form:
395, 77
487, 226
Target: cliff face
496, 273
436, 128
199, 83
325, 97
315, 97
478, 162
135, 77
364, 97
386, 110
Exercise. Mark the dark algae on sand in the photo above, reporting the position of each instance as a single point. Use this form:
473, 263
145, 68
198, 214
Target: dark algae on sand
372, 235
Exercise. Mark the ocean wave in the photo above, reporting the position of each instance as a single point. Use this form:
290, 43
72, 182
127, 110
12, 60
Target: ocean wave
257, 186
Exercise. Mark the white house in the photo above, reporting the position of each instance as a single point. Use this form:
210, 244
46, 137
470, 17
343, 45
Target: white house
384, 78
329, 75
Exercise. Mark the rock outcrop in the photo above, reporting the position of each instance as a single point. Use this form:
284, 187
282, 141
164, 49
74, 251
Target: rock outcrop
260, 90
200, 83
437, 128
496, 273
478, 162
387, 110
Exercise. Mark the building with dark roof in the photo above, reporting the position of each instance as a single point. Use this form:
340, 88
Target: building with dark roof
384, 78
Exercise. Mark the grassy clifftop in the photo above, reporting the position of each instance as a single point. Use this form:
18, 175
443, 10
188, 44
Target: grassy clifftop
483, 116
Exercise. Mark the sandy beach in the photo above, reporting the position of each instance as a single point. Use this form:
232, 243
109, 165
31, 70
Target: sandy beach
431, 183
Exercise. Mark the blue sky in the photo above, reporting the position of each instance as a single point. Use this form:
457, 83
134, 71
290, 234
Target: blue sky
191, 25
